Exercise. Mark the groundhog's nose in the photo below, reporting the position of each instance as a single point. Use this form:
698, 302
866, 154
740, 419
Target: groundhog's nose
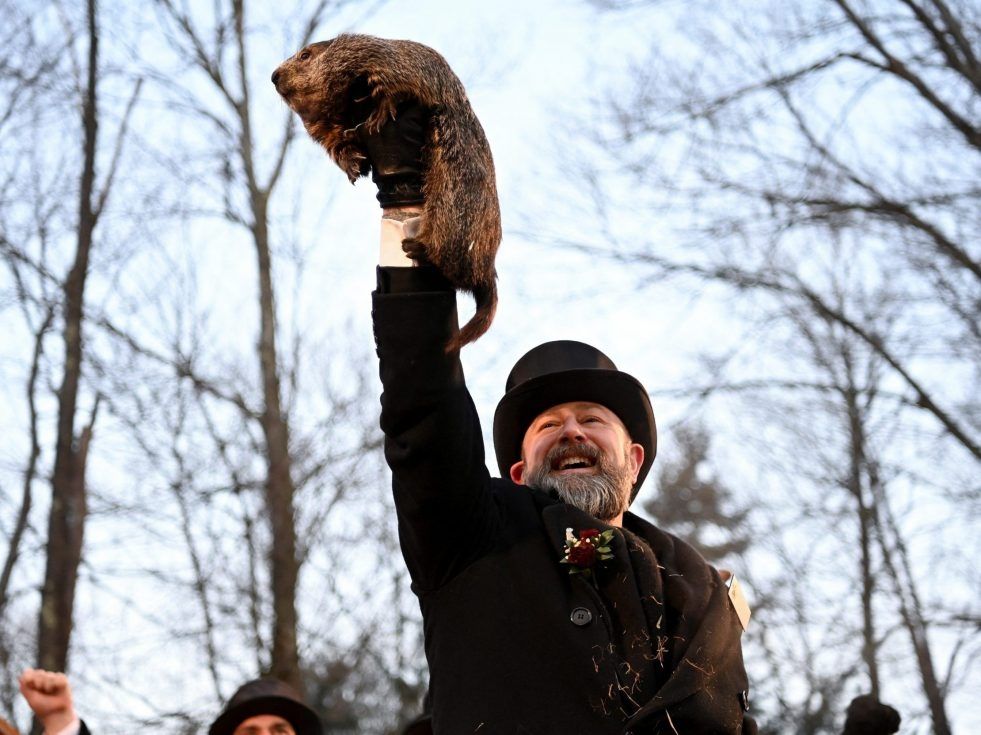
275, 77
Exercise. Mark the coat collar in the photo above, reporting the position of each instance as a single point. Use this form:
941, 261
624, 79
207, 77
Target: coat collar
558, 516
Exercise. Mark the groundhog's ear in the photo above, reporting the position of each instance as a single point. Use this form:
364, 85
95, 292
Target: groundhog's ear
320, 46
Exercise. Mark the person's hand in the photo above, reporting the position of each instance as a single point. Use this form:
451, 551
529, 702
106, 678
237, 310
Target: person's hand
49, 696
394, 149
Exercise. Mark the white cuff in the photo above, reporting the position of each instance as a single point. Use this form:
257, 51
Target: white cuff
70, 729
392, 234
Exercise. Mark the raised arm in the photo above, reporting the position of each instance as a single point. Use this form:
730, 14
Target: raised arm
433, 443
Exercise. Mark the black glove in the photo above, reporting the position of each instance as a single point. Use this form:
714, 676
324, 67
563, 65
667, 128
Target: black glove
395, 151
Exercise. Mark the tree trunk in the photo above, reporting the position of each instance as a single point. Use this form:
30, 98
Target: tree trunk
896, 559
283, 562
856, 433
284, 567
66, 521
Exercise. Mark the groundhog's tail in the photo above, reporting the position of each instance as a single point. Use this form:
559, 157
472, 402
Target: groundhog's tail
486, 301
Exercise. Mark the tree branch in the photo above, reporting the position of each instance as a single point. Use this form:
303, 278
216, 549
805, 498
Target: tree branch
182, 368
754, 280
967, 66
30, 472
897, 68
117, 150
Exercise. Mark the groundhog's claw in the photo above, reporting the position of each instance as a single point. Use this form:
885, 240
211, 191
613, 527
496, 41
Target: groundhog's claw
384, 108
352, 162
415, 249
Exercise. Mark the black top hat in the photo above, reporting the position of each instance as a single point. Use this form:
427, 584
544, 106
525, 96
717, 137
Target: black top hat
266, 697
561, 372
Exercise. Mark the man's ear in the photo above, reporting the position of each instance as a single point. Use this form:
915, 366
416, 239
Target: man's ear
517, 472
636, 454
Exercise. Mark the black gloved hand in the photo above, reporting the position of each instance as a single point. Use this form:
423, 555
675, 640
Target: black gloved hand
395, 151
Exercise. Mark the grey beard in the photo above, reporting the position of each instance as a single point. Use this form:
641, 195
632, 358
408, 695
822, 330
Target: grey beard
604, 495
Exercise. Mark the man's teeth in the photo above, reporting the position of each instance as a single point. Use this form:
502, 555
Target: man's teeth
574, 462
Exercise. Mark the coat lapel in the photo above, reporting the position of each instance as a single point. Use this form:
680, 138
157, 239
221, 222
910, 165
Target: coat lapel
682, 604
697, 608
619, 587
559, 516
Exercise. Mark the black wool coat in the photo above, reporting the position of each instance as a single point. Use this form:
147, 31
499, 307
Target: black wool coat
516, 644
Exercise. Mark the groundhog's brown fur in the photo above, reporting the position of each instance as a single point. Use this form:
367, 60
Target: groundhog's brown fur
461, 222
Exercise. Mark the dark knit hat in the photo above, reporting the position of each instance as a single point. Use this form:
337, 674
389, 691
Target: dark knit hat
866, 715
561, 372
266, 697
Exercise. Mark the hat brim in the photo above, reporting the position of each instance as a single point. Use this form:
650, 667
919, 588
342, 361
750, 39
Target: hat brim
303, 719
621, 393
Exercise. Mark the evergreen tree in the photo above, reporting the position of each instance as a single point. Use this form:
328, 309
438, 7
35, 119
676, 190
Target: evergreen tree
692, 503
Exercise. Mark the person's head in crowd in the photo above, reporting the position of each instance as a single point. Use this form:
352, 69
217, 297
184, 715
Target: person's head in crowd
866, 715
266, 707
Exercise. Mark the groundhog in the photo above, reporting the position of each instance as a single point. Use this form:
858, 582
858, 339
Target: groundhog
460, 228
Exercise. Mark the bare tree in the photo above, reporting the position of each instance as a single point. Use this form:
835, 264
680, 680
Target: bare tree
26, 214
821, 162
46, 83
66, 520
777, 159
16, 538
232, 124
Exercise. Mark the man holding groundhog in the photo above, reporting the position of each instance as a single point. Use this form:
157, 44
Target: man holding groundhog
547, 606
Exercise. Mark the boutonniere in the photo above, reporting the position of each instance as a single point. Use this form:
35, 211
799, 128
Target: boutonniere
584, 553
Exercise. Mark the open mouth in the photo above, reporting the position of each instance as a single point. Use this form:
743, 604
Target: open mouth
574, 459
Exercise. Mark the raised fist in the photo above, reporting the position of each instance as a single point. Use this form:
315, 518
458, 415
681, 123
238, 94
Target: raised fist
49, 696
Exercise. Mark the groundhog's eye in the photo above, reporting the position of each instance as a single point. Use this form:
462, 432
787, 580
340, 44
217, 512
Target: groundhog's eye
304, 55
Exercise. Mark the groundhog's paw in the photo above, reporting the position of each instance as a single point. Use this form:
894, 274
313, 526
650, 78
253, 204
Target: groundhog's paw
383, 112
352, 162
415, 249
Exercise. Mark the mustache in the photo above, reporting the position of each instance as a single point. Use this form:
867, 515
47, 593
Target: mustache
563, 451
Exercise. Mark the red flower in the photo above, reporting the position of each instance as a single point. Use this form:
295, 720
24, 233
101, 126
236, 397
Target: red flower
587, 551
582, 555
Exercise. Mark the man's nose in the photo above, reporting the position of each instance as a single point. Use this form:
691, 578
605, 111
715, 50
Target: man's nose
572, 430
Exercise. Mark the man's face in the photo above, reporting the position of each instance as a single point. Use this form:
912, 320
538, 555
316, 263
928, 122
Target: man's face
583, 452
265, 725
